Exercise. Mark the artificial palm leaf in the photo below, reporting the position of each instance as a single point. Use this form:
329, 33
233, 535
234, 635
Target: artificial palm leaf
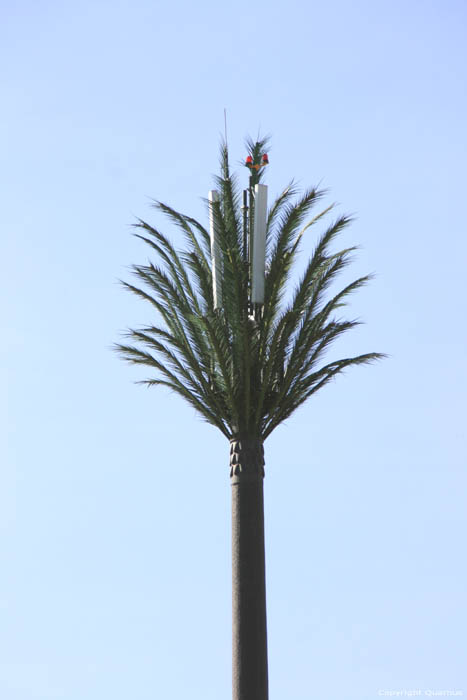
244, 369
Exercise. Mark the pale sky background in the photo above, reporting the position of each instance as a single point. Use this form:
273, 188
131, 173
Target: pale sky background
114, 499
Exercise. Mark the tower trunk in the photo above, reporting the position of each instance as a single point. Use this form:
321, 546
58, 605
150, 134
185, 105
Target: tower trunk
249, 636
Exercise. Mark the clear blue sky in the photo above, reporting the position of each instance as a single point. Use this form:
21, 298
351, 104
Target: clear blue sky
115, 500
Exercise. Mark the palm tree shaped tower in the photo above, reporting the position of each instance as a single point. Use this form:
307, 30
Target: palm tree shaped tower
226, 339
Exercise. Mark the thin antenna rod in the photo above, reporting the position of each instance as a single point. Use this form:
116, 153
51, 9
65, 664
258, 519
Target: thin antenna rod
245, 225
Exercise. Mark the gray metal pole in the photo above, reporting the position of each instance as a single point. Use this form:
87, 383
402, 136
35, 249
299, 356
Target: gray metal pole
249, 634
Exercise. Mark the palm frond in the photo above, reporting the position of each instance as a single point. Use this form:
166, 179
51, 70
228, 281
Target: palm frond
243, 372
316, 382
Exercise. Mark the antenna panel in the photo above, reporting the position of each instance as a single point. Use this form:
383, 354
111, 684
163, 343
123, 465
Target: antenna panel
215, 252
258, 263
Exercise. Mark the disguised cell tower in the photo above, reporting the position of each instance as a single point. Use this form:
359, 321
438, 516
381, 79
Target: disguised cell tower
254, 210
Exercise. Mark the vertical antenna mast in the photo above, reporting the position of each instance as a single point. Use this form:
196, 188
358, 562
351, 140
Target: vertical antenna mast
245, 225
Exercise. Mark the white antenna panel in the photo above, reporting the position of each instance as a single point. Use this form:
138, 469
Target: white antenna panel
258, 263
215, 251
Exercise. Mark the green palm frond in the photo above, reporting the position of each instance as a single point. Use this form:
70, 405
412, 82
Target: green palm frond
243, 371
